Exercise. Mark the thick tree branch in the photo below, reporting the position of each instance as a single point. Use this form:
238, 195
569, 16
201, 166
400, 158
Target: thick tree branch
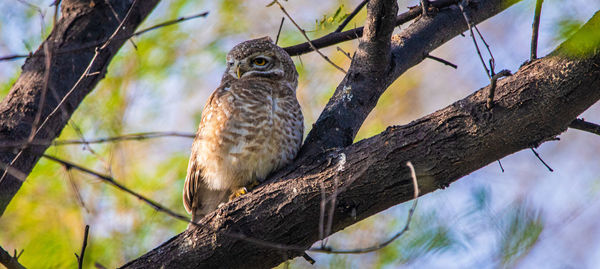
359, 92
338, 37
582, 125
366, 75
78, 26
536, 103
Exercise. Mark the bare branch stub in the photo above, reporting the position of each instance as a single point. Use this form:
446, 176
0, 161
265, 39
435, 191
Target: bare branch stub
279, 31
535, 28
347, 54
11, 262
429, 56
425, 7
83, 247
490, 99
581, 124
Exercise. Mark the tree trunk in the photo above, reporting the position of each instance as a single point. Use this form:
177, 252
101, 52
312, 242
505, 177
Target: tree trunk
69, 51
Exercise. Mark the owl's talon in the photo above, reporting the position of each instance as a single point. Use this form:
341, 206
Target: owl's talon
237, 193
243, 190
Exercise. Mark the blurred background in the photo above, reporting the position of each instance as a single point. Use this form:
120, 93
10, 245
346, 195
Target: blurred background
524, 217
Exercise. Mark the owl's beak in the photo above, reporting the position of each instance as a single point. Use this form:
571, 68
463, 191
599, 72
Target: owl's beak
237, 71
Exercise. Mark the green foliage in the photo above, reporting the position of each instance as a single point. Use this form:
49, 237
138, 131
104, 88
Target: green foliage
585, 41
566, 28
521, 229
5, 87
332, 20
425, 238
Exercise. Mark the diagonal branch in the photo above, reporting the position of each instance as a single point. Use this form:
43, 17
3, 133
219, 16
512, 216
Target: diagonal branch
443, 146
338, 37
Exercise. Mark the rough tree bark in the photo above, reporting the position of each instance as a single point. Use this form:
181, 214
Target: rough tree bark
532, 106
78, 27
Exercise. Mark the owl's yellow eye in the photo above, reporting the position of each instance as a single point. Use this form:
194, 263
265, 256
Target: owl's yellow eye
259, 61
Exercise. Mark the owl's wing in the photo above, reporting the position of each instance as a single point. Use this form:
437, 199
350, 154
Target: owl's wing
198, 199
191, 182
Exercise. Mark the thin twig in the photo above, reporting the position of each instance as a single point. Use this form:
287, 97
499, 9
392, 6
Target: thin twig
490, 99
279, 31
581, 124
441, 61
110, 180
158, 207
55, 17
126, 137
501, 168
322, 215
97, 43
306, 37
387, 242
11, 262
424, 7
535, 27
134, 136
335, 38
492, 61
87, 146
541, 160
75, 189
46, 80
351, 16
470, 26
83, 246
114, 12
347, 54
169, 22
8, 169
116, 32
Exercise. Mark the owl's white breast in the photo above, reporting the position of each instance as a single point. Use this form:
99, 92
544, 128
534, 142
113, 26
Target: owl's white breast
251, 134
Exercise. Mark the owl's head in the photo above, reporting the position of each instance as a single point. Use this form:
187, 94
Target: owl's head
260, 58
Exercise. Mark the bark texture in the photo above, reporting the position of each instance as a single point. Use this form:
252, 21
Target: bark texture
77, 28
360, 90
535, 104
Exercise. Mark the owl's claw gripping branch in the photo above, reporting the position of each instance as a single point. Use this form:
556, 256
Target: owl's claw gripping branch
243, 190
237, 193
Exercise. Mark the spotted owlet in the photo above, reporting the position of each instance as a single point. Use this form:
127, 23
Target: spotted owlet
251, 126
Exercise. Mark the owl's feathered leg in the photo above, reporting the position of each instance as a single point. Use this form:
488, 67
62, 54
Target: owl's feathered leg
237, 192
206, 200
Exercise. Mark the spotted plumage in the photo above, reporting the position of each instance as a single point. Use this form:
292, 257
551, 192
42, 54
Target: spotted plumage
251, 126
